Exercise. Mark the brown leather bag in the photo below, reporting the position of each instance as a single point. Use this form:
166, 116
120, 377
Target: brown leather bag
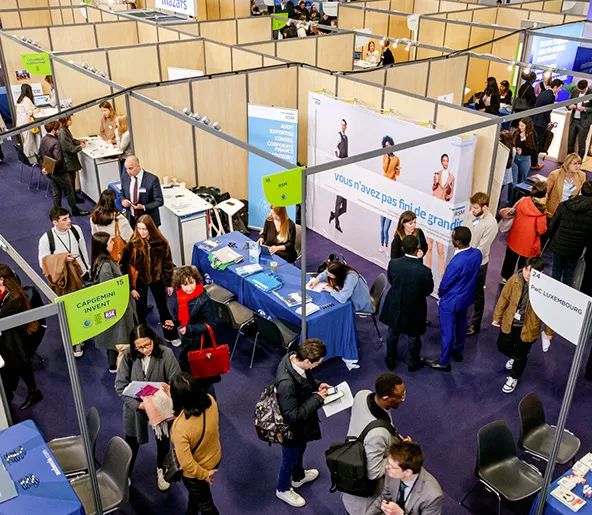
133, 271
118, 243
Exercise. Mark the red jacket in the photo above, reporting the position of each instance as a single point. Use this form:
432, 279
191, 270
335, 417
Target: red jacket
529, 224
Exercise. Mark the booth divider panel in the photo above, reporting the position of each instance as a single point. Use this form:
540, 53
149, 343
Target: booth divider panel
157, 138
264, 90
11, 20
350, 18
218, 58
167, 35
410, 108
131, 66
298, 50
226, 9
477, 74
93, 16
450, 118
534, 5
375, 76
487, 15
256, 28
480, 36
366, 94
309, 80
174, 95
223, 31
242, 60
457, 36
242, 9
213, 8
446, 6
548, 17
147, 33
398, 29
222, 164
431, 33
568, 18
12, 55
56, 15
67, 16
409, 77
378, 21
73, 37
448, 76
121, 33
426, 6
186, 54
10, 4
264, 48
108, 16
268, 61
335, 52
35, 18
72, 84
202, 10
190, 28
505, 48
40, 35
553, 6
511, 17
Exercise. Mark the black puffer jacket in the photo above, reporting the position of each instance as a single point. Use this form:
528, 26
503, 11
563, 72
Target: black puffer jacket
298, 402
570, 231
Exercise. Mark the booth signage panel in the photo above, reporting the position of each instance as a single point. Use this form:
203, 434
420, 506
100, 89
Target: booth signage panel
559, 306
38, 63
279, 24
583, 62
284, 188
275, 130
93, 310
186, 7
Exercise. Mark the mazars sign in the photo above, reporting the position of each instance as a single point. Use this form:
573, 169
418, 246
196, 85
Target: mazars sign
186, 7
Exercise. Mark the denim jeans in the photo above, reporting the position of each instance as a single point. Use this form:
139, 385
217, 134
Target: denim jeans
564, 268
520, 169
385, 226
291, 467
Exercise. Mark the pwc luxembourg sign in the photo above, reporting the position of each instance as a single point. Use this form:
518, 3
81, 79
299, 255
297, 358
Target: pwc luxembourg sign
559, 306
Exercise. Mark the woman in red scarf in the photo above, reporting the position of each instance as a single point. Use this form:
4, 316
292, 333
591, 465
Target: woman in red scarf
195, 310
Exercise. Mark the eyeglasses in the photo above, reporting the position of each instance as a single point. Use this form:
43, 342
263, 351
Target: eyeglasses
142, 348
402, 398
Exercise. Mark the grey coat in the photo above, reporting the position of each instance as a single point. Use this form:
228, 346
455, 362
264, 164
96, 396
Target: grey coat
376, 446
161, 370
70, 148
120, 332
425, 498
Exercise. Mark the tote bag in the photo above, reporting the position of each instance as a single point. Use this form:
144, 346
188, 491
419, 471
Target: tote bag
213, 361
118, 243
171, 468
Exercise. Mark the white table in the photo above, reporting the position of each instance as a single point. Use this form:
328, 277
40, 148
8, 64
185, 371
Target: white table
361, 64
184, 221
100, 166
43, 113
558, 148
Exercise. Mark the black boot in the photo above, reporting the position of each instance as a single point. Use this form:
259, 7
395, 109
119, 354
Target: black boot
80, 212
33, 398
79, 199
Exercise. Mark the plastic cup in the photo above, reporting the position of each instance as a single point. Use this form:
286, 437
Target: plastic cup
274, 266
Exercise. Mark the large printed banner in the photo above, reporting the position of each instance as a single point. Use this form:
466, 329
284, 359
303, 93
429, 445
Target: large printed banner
358, 206
275, 130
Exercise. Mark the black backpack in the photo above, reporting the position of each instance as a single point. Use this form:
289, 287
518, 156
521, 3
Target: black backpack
334, 256
347, 463
52, 247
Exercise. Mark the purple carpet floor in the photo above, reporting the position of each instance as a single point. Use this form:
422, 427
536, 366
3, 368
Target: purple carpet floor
443, 412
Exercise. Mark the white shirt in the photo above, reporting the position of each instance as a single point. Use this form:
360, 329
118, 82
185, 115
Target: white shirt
65, 242
568, 189
125, 229
444, 176
409, 484
301, 371
578, 114
458, 251
145, 364
138, 178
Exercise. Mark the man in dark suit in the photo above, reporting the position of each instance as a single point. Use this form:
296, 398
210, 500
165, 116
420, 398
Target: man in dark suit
457, 294
140, 192
405, 308
580, 121
409, 489
541, 121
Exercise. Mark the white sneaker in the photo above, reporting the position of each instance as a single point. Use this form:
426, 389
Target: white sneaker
176, 342
381, 249
509, 364
291, 497
309, 475
78, 351
510, 385
162, 484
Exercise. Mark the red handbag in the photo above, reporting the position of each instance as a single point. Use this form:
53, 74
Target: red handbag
213, 361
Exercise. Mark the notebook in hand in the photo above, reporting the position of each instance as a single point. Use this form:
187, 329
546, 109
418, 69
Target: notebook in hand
48, 164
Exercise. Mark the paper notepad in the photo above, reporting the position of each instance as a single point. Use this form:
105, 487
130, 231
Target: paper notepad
141, 388
318, 287
310, 309
342, 403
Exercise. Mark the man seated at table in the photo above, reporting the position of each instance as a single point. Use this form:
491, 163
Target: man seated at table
279, 234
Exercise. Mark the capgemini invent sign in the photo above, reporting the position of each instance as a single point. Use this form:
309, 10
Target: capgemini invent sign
186, 7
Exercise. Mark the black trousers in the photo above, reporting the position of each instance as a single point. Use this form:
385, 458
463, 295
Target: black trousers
510, 260
200, 497
579, 131
60, 183
1, 153
392, 342
14, 371
340, 207
163, 446
541, 132
112, 357
512, 346
159, 293
479, 307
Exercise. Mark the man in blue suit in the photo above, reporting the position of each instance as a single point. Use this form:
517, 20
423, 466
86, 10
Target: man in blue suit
457, 293
140, 192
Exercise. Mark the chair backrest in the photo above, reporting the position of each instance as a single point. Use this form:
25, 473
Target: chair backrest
298, 242
268, 330
495, 443
93, 422
532, 415
377, 291
223, 314
21, 155
116, 464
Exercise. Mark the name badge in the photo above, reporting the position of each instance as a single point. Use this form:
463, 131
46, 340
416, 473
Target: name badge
517, 316
142, 190
110, 126
476, 221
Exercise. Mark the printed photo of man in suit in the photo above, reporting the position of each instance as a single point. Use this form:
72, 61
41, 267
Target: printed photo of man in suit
341, 151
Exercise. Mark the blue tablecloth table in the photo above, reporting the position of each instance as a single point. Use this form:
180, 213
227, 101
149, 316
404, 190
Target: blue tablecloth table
54, 495
555, 507
335, 325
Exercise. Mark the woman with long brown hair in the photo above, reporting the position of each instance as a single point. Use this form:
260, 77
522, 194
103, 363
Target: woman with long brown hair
107, 218
525, 144
147, 255
279, 234
14, 343
407, 226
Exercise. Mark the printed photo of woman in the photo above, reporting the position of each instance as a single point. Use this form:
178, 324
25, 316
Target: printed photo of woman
391, 167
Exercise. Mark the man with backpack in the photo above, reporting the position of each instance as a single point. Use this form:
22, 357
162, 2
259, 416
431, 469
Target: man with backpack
371, 423
299, 396
65, 238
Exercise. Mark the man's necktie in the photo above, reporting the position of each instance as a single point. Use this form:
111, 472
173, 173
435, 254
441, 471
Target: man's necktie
135, 194
401, 498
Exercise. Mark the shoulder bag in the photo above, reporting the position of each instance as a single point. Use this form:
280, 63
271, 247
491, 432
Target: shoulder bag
521, 103
118, 243
133, 271
210, 362
508, 214
171, 468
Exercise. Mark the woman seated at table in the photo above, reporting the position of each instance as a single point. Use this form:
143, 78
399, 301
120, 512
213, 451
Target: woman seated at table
345, 283
279, 234
505, 93
107, 129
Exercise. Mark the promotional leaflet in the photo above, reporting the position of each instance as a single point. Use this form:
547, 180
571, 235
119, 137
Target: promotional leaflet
358, 205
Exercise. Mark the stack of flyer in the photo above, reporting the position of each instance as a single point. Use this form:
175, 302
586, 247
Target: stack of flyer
571, 500
209, 245
563, 492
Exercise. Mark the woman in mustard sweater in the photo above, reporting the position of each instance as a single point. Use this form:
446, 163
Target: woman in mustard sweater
196, 438
391, 166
